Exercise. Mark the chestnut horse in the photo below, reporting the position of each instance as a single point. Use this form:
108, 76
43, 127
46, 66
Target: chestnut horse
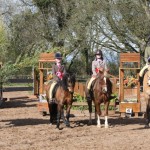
146, 90
63, 95
100, 92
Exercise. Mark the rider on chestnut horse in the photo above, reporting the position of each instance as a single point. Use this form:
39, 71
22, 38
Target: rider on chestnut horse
98, 64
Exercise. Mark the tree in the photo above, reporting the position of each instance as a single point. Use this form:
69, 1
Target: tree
3, 42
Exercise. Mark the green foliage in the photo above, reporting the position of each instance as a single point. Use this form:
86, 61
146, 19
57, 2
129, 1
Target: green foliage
114, 97
7, 70
78, 98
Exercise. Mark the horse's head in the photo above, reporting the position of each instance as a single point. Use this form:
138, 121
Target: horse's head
69, 82
101, 82
148, 76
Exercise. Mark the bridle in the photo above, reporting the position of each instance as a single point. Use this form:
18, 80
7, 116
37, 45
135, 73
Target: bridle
148, 77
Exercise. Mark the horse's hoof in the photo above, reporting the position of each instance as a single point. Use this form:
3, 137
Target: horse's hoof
67, 125
106, 126
89, 123
99, 126
50, 124
57, 127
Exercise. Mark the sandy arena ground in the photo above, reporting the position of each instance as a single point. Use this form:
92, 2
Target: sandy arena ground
22, 127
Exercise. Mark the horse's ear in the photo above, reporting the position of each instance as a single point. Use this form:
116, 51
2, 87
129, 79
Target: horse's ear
101, 70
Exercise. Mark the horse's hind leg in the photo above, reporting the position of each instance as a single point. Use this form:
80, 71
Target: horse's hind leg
90, 112
147, 116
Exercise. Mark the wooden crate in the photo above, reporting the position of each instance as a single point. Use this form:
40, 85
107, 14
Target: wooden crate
136, 107
43, 107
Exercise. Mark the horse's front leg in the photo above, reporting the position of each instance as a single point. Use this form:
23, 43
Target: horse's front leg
98, 112
106, 114
50, 113
68, 115
62, 114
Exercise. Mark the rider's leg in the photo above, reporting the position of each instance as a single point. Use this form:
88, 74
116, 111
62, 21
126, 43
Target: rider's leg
88, 89
141, 83
141, 75
51, 90
142, 70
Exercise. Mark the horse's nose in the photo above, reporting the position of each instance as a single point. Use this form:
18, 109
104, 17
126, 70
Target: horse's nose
104, 90
148, 83
70, 89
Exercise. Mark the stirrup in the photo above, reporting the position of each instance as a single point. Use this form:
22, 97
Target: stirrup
52, 100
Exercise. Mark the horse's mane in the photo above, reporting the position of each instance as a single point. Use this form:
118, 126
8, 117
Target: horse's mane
67, 78
109, 85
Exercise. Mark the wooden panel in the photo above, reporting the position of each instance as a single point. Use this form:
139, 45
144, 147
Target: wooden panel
121, 85
47, 57
129, 57
80, 88
115, 88
136, 107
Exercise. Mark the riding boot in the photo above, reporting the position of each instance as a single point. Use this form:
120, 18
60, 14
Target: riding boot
141, 83
88, 96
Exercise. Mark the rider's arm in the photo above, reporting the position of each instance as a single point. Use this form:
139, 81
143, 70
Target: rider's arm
105, 68
55, 77
93, 68
146, 55
105, 65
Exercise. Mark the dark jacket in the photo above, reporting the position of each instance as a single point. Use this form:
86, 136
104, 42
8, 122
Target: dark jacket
58, 72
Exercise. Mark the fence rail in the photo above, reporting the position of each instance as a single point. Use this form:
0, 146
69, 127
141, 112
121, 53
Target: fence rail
22, 84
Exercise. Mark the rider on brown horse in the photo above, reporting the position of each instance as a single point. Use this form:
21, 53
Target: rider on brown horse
58, 70
98, 64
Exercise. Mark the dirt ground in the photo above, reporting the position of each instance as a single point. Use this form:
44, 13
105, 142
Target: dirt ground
22, 127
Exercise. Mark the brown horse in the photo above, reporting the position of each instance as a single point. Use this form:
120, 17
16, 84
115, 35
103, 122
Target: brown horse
63, 95
146, 90
101, 90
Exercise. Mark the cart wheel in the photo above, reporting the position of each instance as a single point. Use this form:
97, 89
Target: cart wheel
44, 113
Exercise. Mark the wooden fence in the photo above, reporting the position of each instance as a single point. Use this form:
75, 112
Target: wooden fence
80, 87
